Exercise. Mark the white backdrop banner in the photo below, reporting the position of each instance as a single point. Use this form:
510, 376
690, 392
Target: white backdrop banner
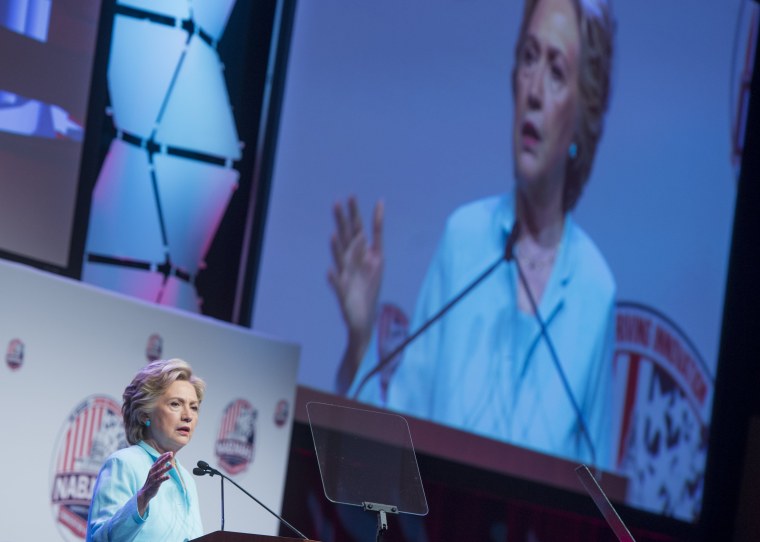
71, 349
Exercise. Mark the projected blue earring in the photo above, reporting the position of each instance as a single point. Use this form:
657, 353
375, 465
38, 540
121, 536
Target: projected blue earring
572, 151
147, 423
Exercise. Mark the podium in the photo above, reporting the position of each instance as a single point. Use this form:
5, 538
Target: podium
229, 536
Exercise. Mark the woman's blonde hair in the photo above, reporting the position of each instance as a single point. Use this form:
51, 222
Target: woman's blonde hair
142, 394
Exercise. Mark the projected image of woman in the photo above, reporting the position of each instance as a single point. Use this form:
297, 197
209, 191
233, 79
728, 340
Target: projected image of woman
485, 367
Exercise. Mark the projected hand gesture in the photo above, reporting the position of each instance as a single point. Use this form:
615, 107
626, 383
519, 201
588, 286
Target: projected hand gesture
355, 277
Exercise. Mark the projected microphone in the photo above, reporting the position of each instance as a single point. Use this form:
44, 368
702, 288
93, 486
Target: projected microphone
506, 256
555, 360
204, 468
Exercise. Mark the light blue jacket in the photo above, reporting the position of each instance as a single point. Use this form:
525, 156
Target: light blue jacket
173, 515
484, 367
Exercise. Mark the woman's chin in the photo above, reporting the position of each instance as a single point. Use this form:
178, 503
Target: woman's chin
527, 172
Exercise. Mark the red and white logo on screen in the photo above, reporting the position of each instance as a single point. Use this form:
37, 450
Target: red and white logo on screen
665, 398
92, 432
237, 436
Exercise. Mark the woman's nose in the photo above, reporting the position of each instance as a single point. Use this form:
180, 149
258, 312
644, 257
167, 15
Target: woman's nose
535, 88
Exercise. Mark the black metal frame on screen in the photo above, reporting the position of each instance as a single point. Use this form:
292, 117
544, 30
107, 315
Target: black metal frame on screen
253, 50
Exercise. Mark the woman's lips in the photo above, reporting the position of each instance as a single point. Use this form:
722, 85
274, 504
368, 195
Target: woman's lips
530, 135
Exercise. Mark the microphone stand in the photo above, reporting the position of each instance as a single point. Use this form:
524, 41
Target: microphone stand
221, 479
505, 257
205, 468
557, 364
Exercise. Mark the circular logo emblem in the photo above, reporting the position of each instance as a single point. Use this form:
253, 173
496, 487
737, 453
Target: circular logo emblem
665, 412
155, 347
92, 432
281, 413
14, 355
237, 436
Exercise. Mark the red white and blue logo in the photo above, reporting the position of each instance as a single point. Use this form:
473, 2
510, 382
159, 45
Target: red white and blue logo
92, 432
666, 396
237, 436
14, 355
281, 413
155, 347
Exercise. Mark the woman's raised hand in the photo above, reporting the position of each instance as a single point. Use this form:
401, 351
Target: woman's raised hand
157, 475
356, 274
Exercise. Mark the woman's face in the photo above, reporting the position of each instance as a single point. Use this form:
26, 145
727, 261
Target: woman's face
174, 417
546, 95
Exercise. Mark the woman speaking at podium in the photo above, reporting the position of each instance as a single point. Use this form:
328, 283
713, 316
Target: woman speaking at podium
486, 366
142, 492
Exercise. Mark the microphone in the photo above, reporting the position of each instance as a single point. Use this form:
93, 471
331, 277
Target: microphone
506, 256
204, 468
555, 359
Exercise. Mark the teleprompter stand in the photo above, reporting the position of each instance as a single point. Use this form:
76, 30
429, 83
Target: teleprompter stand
366, 458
